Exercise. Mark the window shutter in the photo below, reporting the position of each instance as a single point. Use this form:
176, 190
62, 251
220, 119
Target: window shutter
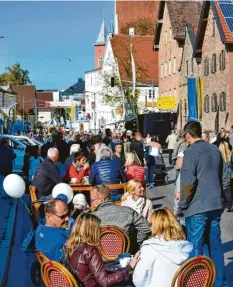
214, 103
222, 104
206, 104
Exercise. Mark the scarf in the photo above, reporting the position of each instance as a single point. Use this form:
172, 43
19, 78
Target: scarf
78, 168
137, 205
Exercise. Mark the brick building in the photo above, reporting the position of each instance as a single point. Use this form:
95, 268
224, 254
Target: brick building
214, 52
26, 102
169, 41
188, 68
127, 12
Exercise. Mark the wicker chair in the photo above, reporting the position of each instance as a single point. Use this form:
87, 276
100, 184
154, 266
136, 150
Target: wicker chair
56, 275
35, 206
196, 272
42, 259
113, 241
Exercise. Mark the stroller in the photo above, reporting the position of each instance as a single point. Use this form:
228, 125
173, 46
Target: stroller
161, 174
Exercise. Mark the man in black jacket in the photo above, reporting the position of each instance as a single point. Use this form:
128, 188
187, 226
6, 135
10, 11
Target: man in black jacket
47, 175
7, 156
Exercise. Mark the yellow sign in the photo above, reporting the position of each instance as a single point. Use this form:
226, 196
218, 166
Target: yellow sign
166, 103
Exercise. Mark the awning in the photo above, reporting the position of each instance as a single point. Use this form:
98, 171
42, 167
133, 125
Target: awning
53, 121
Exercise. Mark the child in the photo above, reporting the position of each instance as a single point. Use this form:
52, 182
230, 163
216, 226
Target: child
135, 198
80, 205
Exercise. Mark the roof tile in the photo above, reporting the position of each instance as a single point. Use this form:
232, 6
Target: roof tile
146, 60
225, 28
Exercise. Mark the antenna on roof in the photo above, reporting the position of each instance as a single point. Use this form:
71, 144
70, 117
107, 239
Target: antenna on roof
103, 14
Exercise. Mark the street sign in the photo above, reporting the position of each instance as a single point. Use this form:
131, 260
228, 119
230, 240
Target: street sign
166, 103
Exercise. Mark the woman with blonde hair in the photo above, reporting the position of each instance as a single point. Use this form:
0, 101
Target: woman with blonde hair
163, 253
135, 198
227, 174
133, 167
82, 257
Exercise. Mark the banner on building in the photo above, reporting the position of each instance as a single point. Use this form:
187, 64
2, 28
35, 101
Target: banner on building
77, 113
72, 113
201, 97
192, 100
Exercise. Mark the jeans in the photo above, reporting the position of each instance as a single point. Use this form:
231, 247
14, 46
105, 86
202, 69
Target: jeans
197, 227
150, 173
170, 151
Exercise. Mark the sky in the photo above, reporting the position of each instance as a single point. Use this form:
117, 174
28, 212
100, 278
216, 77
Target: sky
42, 35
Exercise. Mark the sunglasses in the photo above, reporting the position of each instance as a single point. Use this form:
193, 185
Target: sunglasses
62, 216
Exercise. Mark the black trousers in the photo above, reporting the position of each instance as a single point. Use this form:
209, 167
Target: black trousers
170, 151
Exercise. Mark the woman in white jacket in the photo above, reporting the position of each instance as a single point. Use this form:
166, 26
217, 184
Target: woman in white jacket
163, 253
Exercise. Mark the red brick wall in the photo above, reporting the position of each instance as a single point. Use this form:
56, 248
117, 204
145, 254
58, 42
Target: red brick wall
230, 86
129, 11
99, 52
217, 82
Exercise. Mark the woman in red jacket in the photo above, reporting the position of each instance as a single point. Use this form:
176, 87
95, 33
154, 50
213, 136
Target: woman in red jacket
79, 167
134, 168
83, 257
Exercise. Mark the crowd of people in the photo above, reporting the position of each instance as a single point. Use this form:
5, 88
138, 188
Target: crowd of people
161, 240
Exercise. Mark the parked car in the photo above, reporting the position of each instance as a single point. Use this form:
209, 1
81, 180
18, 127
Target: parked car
27, 141
19, 149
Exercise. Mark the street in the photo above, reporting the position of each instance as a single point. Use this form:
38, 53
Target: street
163, 195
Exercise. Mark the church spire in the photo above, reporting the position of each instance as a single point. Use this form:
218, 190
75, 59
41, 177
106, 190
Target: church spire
101, 40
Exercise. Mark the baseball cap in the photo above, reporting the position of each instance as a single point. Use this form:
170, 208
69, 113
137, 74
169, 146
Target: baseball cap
80, 199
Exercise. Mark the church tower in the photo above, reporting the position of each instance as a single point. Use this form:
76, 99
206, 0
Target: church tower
100, 45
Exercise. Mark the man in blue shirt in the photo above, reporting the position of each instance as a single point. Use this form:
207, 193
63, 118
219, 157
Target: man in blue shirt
200, 197
52, 233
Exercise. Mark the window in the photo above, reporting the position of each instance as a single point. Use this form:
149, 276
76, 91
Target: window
206, 66
222, 60
213, 27
187, 68
162, 94
174, 92
170, 67
170, 34
165, 69
100, 61
222, 102
161, 71
170, 92
174, 65
165, 93
213, 64
206, 104
214, 103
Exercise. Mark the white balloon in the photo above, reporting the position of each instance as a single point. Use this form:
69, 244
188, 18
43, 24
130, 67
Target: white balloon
14, 185
63, 188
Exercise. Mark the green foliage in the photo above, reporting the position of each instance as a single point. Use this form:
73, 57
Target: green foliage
142, 26
58, 113
15, 75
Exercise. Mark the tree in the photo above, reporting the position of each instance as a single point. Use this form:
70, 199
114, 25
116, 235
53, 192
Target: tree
61, 112
142, 26
113, 96
15, 75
